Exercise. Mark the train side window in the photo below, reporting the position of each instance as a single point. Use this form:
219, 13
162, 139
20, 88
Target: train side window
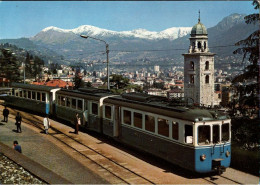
38, 96
204, 135
43, 97
79, 105
108, 112
149, 123
163, 127
68, 102
188, 133
24, 93
216, 134
127, 117
138, 120
175, 130
86, 105
95, 108
74, 103
62, 101
225, 132
20, 93
33, 95
29, 94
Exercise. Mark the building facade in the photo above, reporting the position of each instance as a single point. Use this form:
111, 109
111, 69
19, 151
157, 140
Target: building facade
199, 68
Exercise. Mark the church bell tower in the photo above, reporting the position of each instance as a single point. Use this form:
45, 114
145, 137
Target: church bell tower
199, 68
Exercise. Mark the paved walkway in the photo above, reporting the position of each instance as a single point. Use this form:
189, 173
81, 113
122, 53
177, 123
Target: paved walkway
37, 146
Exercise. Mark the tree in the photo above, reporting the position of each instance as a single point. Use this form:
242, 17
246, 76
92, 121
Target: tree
78, 81
250, 50
119, 81
9, 65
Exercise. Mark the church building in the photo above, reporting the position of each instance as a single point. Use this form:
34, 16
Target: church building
199, 68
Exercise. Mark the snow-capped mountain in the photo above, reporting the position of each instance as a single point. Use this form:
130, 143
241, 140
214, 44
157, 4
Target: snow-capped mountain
171, 33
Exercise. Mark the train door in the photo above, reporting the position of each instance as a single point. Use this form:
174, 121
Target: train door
85, 112
117, 121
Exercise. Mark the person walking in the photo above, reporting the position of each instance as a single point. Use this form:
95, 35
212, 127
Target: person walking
77, 123
46, 124
18, 122
5, 114
17, 147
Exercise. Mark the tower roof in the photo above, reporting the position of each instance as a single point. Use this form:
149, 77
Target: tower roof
199, 29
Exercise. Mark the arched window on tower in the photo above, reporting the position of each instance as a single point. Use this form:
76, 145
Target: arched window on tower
207, 65
207, 79
205, 45
193, 46
199, 45
191, 79
192, 65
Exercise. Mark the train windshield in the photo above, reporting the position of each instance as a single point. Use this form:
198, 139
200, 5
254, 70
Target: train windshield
204, 135
225, 132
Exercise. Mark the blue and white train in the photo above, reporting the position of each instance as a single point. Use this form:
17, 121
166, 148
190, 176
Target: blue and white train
197, 139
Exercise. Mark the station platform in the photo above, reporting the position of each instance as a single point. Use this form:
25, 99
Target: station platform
42, 157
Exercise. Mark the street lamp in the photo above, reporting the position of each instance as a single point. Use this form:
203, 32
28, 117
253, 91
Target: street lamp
107, 51
23, 65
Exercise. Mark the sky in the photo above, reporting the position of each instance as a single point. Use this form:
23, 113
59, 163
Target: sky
27, 18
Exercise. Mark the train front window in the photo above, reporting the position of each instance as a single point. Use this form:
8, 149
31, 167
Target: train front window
216, 134
149, 123
225, 132
138, 120
204, 135
163, 127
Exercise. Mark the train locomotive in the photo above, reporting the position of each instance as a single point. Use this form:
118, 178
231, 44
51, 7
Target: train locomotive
198, 139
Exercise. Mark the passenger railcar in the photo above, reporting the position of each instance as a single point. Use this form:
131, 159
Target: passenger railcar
37, 98
193, 138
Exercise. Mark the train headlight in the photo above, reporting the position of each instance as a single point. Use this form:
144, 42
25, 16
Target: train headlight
203, 157
227, 153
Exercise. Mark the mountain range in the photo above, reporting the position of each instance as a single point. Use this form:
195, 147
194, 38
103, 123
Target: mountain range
66, 45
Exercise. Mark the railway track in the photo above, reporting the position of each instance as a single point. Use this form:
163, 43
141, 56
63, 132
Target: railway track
124, 174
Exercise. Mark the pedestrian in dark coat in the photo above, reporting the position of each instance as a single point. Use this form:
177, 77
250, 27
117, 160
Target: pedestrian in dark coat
17, 147
18, 122
5, 114
77, 123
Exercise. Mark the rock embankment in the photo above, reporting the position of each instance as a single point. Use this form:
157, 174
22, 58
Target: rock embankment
12, 173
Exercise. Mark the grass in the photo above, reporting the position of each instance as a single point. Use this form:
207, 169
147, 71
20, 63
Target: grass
246, 161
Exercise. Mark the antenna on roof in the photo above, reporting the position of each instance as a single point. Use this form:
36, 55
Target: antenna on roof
199, 16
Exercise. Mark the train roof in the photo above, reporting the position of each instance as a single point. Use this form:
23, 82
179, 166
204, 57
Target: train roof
86, 92
33, 87
163, 106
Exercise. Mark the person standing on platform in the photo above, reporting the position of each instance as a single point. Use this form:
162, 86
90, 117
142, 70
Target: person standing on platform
18, 122
77, 123
5, 114
17, 147
46, 124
